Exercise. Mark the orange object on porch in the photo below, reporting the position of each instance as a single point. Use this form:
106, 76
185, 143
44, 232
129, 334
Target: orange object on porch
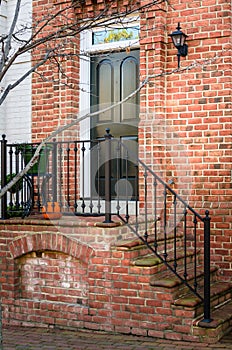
51, 210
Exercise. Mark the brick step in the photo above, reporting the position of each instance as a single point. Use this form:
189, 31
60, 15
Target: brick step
166, 280
220, 325
157, 267
151, 259
136, 248
136, 244
221, 292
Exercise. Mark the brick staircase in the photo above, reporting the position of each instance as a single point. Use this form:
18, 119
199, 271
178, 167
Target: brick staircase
120, 285
183, 302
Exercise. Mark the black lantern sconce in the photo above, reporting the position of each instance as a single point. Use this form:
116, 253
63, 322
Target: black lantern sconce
178, 39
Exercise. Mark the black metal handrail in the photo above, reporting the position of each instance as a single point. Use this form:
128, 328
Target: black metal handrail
102, 177
187, 211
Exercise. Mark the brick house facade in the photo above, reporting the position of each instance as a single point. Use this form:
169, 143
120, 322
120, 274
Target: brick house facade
195, 104
184, 125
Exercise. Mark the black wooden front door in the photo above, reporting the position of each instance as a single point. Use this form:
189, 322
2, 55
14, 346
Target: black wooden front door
114, 77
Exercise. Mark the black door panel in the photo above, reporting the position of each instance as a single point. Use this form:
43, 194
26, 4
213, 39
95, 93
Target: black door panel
113, 78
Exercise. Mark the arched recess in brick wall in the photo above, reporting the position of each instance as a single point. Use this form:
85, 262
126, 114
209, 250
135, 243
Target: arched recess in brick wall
50, 241
51, 268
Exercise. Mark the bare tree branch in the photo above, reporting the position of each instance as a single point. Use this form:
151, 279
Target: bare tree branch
45, 31
23, 77
35, 158
6, 49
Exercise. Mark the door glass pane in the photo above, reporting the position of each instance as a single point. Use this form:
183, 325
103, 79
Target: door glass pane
129, 76
105, 89
129, 156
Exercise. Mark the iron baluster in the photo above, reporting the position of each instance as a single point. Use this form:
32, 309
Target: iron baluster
11, 176
175, 233
136, 201
60, 151
118, 175
185, 243
54, 172
165, 223
75, 176
68, 179
98, 177
3, 175
155, 214
11, 158
37, 180
17, 200
83, 177
127, 212
145, 203
207, 219
195, 252
25, 187
108, 137
91, 205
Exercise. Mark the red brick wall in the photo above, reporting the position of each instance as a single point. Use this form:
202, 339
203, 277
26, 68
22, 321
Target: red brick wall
185, 120
54, 88
199, 110
50, 275
52, 280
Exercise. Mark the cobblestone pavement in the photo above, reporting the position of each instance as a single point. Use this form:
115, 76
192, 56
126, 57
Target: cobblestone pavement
17, 338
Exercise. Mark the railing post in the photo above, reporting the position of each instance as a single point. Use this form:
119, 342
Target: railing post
207, 318
54, 171
3, 176
108, 176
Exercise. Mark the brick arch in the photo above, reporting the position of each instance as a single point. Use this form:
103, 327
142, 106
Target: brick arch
50, 241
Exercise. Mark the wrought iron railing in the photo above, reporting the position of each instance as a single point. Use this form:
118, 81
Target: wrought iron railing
104, 177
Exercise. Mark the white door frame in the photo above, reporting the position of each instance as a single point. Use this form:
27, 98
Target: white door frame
86, 49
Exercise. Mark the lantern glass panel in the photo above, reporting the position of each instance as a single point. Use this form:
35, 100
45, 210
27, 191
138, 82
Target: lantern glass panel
176, 40
182, 39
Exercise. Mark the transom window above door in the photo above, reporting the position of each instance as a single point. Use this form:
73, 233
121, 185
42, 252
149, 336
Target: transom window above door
121, 34
111, 35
